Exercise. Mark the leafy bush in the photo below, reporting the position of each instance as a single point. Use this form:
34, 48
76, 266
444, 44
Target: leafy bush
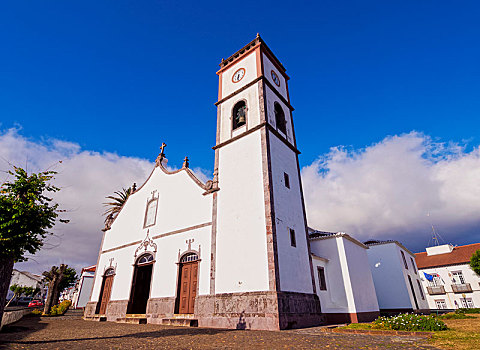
475, 262
454, 316
410, 322
60, 309
467, 311
37, 312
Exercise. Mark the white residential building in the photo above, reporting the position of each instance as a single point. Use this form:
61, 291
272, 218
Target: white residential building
447, 278
26, 279
396, 278
84, 287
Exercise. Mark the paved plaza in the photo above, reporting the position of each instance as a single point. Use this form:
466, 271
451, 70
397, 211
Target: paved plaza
72, 332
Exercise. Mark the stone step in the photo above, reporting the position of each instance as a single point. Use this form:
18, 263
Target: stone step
185, 322
98, 318
135, 319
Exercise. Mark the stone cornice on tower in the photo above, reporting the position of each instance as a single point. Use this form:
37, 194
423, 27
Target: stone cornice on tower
249, 48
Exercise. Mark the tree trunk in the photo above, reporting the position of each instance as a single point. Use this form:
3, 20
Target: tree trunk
6, 268
51, 292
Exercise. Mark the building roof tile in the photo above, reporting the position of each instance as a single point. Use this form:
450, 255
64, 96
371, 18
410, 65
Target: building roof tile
459, 255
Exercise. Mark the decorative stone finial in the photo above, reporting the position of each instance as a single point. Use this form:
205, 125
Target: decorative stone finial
186, 164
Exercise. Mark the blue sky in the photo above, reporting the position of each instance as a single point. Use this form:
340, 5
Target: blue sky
395, 85
123, 76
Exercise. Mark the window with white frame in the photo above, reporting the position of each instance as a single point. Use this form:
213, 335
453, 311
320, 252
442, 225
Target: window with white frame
440, 304
467, 303
151, 213
458, 277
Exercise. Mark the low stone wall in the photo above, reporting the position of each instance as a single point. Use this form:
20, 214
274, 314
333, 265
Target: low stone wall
13, 316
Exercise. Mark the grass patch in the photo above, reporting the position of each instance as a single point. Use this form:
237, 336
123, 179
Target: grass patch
358, 326
463, 334
454, 316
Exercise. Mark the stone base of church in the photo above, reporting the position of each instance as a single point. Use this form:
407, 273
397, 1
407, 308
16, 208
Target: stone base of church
258, 310
90, 308
160, 308
355, 317
115, 309
252, 310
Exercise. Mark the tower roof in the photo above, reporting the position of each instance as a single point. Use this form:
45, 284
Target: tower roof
247, 49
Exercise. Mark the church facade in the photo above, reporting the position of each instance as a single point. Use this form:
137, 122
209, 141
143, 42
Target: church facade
233, 252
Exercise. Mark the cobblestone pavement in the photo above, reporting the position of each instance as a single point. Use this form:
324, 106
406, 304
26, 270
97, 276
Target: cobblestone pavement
71, 332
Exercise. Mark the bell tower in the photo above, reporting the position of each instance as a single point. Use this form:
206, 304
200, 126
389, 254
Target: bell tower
261, 262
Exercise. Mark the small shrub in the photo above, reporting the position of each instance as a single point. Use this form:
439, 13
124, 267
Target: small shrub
410, 322
37, 312
467, 311
60, 309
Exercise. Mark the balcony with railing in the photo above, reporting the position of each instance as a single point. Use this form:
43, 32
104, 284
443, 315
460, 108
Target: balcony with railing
435, 290
461, 288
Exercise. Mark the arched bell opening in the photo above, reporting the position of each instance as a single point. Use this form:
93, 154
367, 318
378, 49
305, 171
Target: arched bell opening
105, 291
141, 282
239, 114
187, 283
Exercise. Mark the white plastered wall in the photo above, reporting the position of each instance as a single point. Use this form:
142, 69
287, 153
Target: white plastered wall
350, 287
334, 299
181, 206
388, 276
241, 258
362, 287
268, 66
249, 63
293, 262
250, 96
271, 99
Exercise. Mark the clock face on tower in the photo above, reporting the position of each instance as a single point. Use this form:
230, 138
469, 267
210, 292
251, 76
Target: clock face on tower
238, 75
275, 78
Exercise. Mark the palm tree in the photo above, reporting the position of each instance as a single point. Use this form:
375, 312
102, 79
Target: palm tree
116, 203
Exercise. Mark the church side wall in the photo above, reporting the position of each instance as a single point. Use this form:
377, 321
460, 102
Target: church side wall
294, 263
390, 287
241, 257
334, 299
362, 287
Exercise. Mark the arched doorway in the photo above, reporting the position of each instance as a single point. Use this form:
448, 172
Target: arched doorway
187, 284
140, 292
105, 291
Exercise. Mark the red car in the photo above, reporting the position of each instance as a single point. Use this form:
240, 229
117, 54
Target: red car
35, 303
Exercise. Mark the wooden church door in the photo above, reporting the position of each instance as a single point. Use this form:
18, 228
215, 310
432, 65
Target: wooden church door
106, 292
188, 285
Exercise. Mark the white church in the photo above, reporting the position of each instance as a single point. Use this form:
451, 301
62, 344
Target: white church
234, 252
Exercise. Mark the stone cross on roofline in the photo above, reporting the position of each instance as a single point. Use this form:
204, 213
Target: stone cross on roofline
161, 156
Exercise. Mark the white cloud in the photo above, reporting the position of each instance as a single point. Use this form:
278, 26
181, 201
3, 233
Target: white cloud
85, 178
386, 190
383, 191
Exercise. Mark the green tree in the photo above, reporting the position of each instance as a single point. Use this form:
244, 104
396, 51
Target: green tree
26, 217
475, 262
58, 278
